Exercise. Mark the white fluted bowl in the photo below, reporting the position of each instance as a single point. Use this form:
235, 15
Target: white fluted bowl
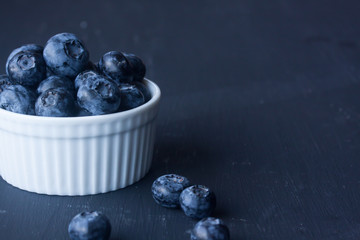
78, 155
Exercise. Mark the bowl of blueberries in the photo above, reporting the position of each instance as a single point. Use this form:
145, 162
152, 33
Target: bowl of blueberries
69, 126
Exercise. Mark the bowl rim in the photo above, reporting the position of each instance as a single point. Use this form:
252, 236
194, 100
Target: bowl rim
155, 98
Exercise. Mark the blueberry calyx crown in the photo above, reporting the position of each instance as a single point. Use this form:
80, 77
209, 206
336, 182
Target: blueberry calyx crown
74, 49
26, 62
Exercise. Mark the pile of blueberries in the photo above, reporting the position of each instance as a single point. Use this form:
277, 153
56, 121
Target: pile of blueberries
171, 191
59, 80
196, 201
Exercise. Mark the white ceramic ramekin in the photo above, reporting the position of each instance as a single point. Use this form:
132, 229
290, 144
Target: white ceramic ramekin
78, 155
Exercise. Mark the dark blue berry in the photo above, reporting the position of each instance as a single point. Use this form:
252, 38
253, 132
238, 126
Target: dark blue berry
26, 65
131, 96
145, 91
18, 99
55, 102
89, 226
5, 81
115, 66
98, 95
55, 82
66, 55
137, 65
167, 188
85, 78
197, 201
210, 229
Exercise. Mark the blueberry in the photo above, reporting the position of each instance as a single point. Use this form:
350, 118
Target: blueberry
66, 55
5, 82
167, 188
89, 226
85, 77
210, 229
145, 91
26, 66
55, 102
197, 201
55, 82
137, 65
18, 99
115, 66
131, 96
98, 95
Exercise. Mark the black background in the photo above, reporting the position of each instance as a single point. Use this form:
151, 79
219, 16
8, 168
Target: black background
260, 102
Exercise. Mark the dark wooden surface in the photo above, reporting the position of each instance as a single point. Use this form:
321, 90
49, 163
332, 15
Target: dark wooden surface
261, 102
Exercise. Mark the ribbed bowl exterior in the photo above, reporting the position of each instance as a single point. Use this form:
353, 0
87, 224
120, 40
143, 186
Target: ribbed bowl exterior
78, 155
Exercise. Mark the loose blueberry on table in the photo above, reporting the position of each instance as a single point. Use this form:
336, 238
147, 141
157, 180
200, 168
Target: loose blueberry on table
89, 226
210, 229
197, 201
79, 87
167, 188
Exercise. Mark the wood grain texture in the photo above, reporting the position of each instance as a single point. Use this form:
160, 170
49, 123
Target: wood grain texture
260, 103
